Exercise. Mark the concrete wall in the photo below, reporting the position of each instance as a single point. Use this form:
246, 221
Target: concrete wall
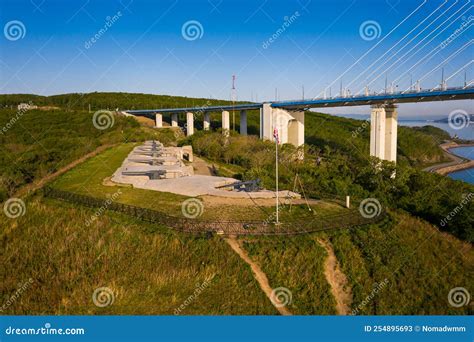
174, 120
189, 124
290, 125
225, 121
243, 122
158, 120
207, 121
383, 132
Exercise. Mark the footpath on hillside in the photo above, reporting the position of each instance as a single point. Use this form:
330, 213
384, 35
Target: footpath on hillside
260, 276
39, 183
337, 280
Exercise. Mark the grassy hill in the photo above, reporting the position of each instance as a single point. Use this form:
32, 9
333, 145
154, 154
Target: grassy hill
98, 100
149, 269
153, 270
41, 142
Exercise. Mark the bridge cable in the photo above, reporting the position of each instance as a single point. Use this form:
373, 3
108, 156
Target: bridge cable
432, 52
411, 49
373, 47
413, 29
453, 55
447, 79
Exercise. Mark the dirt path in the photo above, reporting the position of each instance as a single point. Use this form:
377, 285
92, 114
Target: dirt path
39, 183
202, 168
337, 280
258, 274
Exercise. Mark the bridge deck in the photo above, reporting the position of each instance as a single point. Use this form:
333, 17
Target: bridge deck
401, 97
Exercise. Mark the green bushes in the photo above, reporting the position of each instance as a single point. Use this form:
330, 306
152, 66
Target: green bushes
41, 142
330, 170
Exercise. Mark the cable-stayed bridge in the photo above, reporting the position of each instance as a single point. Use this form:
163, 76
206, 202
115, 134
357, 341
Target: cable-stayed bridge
438, 33
288, 116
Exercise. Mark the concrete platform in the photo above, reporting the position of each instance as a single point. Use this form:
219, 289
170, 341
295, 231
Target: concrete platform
138, 170
198, 185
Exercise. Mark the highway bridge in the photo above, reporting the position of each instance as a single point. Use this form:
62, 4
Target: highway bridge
288, 116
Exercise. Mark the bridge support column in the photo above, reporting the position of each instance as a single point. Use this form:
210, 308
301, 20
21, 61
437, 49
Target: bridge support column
391, 132
377, 132
296, 129
225, 121
207, 121
243, 122
266, 122
383, 132
189, 124
174, 120
290, 125
158, 120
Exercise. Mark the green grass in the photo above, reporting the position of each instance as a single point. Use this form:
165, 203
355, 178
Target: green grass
296, 263
88, 177
153, 270
150, 270
420, 264
40, 142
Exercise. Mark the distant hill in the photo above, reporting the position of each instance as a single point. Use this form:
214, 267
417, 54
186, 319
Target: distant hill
446, 120
105, 100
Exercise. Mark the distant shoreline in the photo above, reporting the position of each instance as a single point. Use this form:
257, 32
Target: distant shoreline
457, 163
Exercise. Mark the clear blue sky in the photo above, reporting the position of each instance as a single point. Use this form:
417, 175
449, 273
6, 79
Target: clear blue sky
144, 50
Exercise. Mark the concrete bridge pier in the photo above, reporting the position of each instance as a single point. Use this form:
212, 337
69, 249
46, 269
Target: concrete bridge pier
243, 122
290, 125
174, 120
189, 124
383, 132
158, 120
225, 121
207, 121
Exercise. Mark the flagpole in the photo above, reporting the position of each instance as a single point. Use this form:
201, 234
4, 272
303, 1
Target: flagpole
276, 158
